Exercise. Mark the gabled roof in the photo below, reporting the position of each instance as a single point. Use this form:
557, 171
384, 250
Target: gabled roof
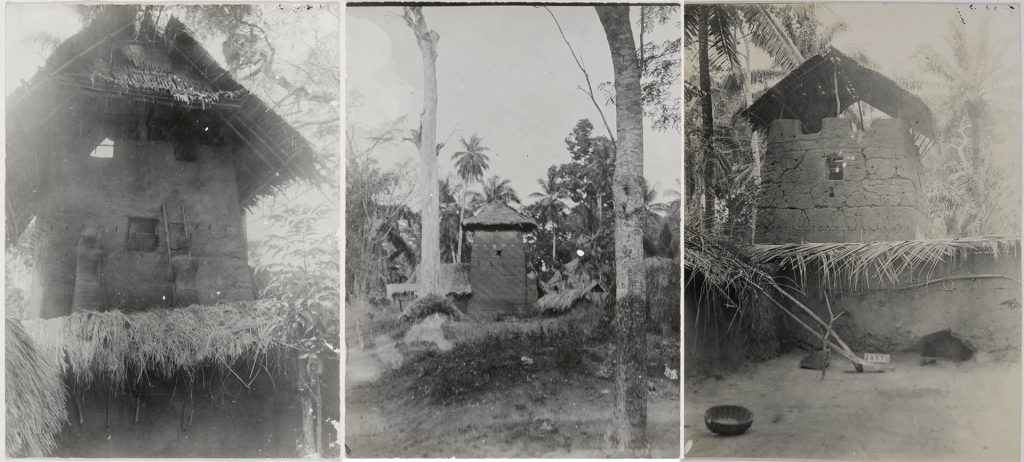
496, 216
808, 93
123, 56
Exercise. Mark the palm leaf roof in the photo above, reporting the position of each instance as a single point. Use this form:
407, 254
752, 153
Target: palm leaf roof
496, 216
812, 86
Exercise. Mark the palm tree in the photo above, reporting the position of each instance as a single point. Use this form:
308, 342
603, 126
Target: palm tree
498, 189
551, 205
714, 29
972, 86
470, 164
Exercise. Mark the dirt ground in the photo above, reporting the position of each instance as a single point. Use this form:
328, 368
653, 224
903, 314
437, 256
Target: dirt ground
555, 415
945, 411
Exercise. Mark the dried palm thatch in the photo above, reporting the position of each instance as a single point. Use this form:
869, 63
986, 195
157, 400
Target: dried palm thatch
568, 288
879, 264
732, 277
497, 215
565, 299
428, 305
112, 344
35, 396
729, 276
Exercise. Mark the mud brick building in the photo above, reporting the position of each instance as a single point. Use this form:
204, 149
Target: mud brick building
826, 180
133, 133
499, 272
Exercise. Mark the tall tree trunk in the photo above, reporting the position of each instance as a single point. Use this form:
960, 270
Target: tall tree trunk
430, 235
755, 139
975, 133
704, 71
462, 216
630, 412
553, 237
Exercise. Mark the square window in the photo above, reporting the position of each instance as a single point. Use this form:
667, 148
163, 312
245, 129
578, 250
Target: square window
499, 253
142, 234
835, 165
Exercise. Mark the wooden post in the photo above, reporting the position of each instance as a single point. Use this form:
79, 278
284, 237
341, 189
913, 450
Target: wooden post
167, 243
835, 84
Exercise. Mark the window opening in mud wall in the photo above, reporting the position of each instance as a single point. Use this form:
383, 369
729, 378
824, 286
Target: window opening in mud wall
142, 234
835, 165
105, 150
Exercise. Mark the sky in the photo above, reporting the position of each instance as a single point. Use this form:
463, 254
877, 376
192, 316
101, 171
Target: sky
503, 73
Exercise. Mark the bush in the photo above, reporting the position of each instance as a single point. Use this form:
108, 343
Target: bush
662, 276
492, 363
425, 306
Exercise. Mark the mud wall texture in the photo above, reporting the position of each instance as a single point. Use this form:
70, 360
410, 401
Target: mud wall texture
498, 274
105, 193
878, 198
984, 311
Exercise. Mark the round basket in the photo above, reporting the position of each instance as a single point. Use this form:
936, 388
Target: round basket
728, 420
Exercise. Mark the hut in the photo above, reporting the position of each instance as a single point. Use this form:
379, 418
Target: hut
136, 153
499, 271
825, 180
842, 213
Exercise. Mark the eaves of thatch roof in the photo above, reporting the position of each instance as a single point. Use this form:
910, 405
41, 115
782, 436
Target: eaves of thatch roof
809, 88
498, 216
160, 341
880, 263
120, 57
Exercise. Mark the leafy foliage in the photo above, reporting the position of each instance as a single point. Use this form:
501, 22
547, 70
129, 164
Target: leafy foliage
497, 189
975, 174
663, 286
302, 282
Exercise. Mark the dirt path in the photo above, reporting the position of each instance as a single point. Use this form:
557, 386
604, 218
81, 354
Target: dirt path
947, 411
557, 416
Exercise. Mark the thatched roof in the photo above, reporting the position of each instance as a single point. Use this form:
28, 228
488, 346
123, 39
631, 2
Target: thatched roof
35, 398
454, 280
808, 94
881, 263
498, 216
118, 346
119, 60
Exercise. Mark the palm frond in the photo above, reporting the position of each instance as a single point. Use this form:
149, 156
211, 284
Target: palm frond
882, 263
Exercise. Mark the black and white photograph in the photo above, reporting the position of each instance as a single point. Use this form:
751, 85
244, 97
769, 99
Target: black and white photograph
852, 267
172, 255
512, 218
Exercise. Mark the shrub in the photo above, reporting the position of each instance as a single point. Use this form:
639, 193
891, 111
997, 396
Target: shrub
425, 306
492, 363
662, 276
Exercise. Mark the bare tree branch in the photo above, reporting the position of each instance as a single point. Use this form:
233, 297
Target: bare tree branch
586, 76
